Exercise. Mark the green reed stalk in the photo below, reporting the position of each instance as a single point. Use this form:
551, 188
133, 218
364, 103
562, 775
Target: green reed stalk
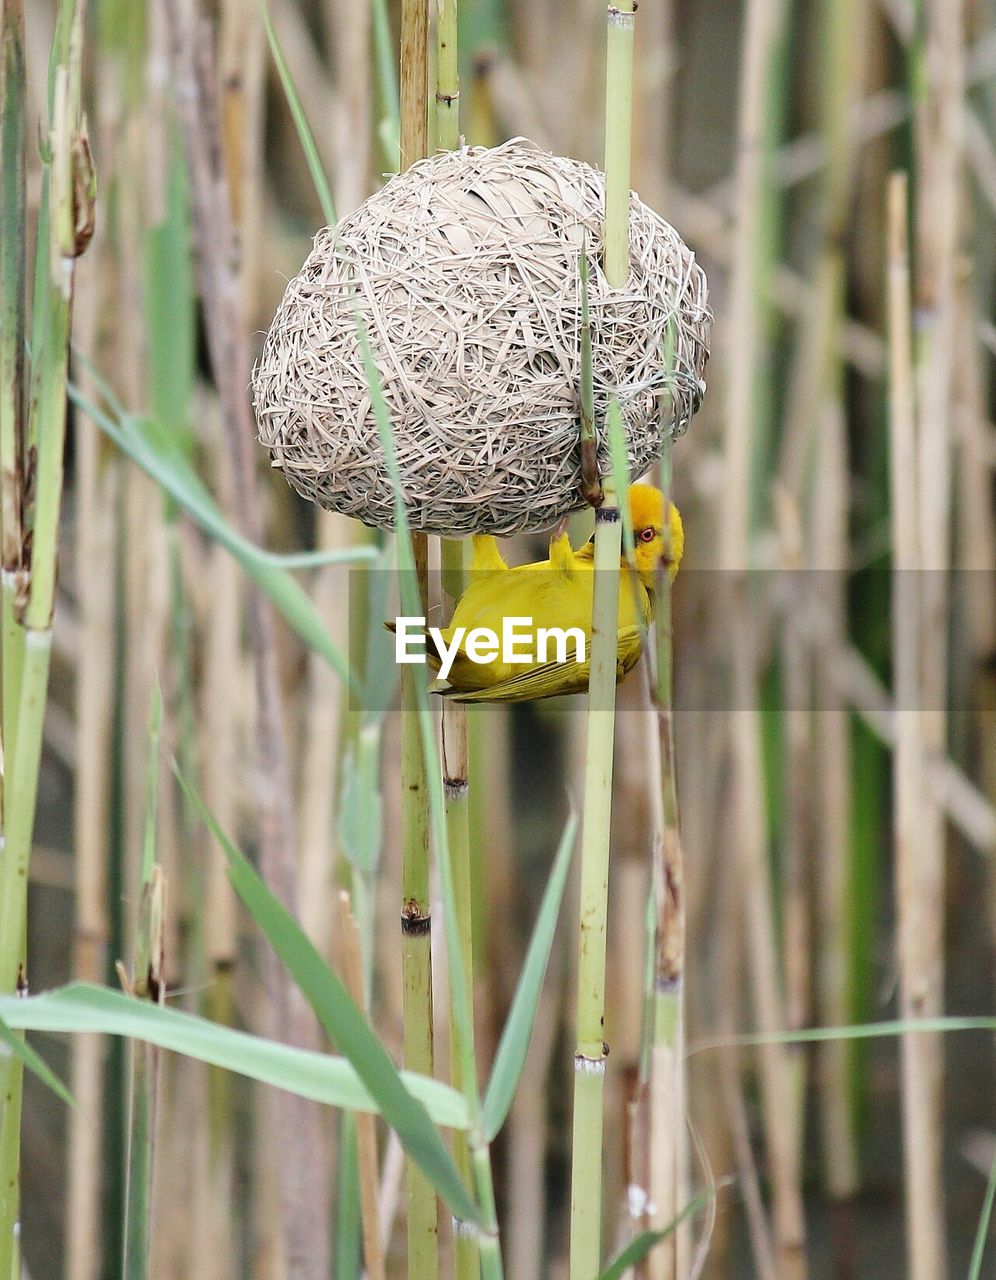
455, 740
70, 183
12, 408
13, 216
416, 921
665, 1064
447, 77
147, 984
589, 1060
832, 737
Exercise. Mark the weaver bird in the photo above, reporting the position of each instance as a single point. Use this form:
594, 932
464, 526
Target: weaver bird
553, 595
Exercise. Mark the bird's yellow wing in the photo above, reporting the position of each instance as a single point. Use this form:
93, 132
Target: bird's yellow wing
562, 555
485, 557
552, 679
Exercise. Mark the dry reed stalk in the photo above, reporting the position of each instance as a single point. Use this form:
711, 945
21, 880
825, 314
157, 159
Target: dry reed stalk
241, 68
939, 90
746, 312
917, 885
323, 732
223, 723
832, 775
939, 153
303, 1179
97, 482
348, 37
797, 675
366, 1123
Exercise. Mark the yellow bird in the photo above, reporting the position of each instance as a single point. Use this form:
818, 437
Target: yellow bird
549, 595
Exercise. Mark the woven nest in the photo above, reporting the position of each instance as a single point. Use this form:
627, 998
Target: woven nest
465, 271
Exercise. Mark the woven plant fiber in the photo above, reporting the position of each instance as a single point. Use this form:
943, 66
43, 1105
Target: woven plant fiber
465, 272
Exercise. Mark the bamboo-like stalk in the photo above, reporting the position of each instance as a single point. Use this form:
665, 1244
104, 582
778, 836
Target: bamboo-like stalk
589, 1059
447, 77
938, 86
416, 917
13, 250
13, 239
747, 303
97, 484
916, 872
667, 1006
146, 983
454, 732
63, 236
797, 820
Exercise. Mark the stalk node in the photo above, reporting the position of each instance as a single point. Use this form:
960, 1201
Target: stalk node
413, 923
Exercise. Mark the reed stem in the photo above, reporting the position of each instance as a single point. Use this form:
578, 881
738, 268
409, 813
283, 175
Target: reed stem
667, 1033
590, 1051
366, 1123
13, 255
68, 180
447, 77
416, 919
916, 884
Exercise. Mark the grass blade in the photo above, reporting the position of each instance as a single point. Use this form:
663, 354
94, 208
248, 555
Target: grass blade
638, 1249
860, 1031
975, 1269
34, 1062
322, 1077
304, 133
514, 1044
344, 1023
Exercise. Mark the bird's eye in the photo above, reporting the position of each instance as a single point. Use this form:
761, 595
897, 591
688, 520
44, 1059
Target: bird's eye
647, 535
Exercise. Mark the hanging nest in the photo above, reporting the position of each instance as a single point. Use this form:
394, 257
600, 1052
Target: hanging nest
465, 272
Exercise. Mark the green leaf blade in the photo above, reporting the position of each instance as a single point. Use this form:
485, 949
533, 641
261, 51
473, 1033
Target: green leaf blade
34, 1062
514, 1045
638, 1249
82, 1007
344, 1023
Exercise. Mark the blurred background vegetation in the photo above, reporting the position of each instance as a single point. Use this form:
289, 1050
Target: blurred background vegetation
765, 132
